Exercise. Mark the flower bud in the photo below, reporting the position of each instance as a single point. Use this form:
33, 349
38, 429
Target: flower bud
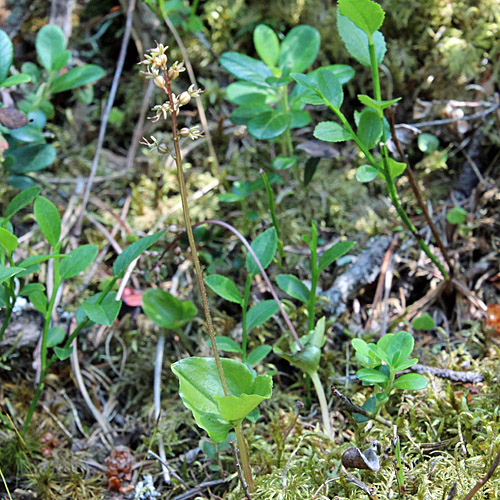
159, 82
184, 132
161, 60
184, 98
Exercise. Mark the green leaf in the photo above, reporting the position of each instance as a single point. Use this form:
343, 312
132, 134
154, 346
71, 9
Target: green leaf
78, 260
399, 347
299, 118
243, 114
366, 173
360, 346
283, 162
7, 240
36, 259
166, 310
457, 215
396, 168
299, 49
372, 376
63, 353
365, 14
424, 322
342, 72
133, 251
249, 94
16, 80
269, 125
266, 44
411, 382
50, 42
261, 312
331, 132
227, 344
258, 354
427, 143
264, 246
76, 77
31, 158
224, 288
403, 365
291, 285
356, 41
245, 68
55, 336
334, 253
330, 88
7, 272
6, 55
61, 60
48, 219
305, 80
104, 313
374, 104
306, 359
31, 287
39, 301
201, 391
21, 200
370, 128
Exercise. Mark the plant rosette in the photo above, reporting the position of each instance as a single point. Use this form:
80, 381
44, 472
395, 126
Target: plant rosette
201, 391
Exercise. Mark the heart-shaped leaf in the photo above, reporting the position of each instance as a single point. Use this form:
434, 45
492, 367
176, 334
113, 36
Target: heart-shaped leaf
166, 310
201, 391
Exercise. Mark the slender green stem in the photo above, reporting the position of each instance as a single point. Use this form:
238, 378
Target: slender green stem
311, 302
287, 135
391, 186
244, 457
244, 307
323, 404
272, 209
83, 324
189, 230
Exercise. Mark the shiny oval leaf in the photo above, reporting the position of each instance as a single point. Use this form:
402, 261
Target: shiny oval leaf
370, 128
76, 77
334, 253
411, 382
224, 288
78, 260
331, 132
21, 200
48, 219
269, 125
291, 285
50, 41
261, 312
264, 246
299, 49
6, 55
365, 14
266, 44
245, 67
366, 173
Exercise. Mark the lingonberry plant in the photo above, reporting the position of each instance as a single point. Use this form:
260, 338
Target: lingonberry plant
381, 362
219, 392
23, 145
358, 22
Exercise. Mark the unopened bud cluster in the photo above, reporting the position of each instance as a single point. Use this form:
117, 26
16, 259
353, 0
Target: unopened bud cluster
156, 69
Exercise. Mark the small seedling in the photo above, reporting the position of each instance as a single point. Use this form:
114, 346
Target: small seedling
381, 362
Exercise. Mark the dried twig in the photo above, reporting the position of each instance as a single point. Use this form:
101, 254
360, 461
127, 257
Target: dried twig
481, 482
357, 409
452, 375
244, 485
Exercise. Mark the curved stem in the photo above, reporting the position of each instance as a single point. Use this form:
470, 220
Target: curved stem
264, 275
